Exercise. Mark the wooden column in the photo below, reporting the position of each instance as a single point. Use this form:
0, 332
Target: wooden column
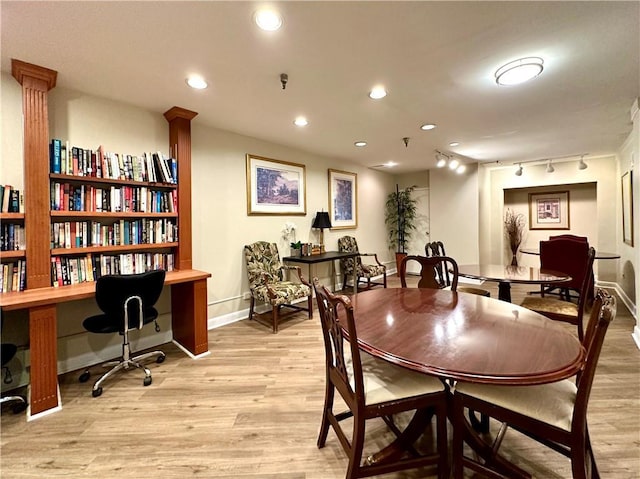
36, 82
188, 300
180, 143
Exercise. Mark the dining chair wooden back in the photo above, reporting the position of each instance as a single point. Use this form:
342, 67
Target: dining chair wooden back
373, 388
436, 272
554, 414
557, 309
436, 248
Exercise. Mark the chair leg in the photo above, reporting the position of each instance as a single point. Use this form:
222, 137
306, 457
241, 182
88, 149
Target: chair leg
384, 279
344, 282
275, 312
310, 305
357, 445
251, 305
327, 410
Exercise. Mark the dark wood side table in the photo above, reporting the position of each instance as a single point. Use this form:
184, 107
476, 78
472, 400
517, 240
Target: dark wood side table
331, 256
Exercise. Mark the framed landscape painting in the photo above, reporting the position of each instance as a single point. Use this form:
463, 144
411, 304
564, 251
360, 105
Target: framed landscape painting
549, 211
343, 199
275, 187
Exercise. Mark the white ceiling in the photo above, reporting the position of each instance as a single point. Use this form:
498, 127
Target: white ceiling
437, 60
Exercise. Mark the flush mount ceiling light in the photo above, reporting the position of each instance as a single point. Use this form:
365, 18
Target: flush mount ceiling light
300, 121
268, 20
454, 143
581, 164
197, 82
427, 126
360, 143
377, 92
519, 71
550, 168
519, 170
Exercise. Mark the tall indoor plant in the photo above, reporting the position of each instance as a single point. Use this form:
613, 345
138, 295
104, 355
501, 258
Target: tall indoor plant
400, 216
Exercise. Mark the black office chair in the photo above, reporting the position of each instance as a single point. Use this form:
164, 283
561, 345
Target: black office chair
8, 351
127, 302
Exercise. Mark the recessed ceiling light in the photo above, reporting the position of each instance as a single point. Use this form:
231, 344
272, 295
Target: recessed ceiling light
519, 71
454, 143
360, 143
268, 20
428, 126
377, 93
300, 121
390, 164
197, 82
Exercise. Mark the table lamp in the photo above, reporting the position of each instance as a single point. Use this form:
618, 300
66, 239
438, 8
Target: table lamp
321, 221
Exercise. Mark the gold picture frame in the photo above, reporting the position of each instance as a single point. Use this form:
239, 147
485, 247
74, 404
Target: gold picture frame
275, 187
343, 199
549, 210
627, 208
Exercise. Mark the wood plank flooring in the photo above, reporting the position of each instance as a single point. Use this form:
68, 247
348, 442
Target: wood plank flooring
252, 409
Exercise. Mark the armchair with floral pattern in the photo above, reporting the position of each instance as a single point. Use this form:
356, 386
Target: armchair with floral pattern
268, 284
349, 244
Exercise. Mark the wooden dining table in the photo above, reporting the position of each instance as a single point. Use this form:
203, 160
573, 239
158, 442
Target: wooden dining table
504, 275
464, 337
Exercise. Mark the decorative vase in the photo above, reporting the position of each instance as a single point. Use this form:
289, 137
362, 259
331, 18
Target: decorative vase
295, 252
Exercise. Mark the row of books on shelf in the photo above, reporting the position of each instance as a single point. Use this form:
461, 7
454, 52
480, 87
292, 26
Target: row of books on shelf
13, 276
12, 237
115, 199
73, 160
11, 199
82, 234
67, 271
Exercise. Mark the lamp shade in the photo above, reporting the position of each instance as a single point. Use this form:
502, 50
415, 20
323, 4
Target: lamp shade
322, 220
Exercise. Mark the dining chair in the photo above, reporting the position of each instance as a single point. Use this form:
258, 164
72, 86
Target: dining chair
348, 244
575, 286
267, 282
557, 309
128, 303
436, 248
554, 414
373, 388
436, 272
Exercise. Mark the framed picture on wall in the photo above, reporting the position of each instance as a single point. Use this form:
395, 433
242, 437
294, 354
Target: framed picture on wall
549, 210
627, 208
275, 187
343, 199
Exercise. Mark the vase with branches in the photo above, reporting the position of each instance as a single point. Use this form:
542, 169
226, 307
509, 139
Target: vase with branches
514, 224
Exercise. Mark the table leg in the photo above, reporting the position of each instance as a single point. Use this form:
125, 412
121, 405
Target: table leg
504, 291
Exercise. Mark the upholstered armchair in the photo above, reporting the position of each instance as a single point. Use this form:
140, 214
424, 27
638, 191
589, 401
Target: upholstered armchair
349, 244
268, 284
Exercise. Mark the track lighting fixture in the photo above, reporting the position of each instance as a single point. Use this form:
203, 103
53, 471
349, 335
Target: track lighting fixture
519, 170
550, 168
581, 164
453, 163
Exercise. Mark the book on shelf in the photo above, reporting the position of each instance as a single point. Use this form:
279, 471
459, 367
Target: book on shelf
6, 198
55, 148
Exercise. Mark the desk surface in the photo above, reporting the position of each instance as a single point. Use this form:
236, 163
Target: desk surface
464, 336
599, 254
319, 258
50, 295
511, 274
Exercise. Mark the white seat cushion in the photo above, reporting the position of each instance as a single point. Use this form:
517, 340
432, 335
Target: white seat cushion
384, 381
550, 403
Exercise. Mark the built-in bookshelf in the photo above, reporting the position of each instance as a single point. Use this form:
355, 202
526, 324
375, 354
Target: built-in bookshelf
12, 251
110, 213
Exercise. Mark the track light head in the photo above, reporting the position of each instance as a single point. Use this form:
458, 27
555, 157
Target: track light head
519, 170
581, 164
550, 168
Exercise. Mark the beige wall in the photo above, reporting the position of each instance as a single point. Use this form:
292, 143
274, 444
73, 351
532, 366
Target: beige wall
220, 223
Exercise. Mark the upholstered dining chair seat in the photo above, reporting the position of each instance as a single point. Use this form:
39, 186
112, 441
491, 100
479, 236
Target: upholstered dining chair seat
285, 291
472, 290
550, 403
550, 305
384, 381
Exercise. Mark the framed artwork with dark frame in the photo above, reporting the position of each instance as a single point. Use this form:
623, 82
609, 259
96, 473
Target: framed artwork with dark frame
627, 208
343, 199
275, 187
549, 210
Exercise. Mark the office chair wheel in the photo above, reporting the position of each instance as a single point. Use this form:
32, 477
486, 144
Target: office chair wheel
161, 359
21, 406
147, 380
96, 392
84, 377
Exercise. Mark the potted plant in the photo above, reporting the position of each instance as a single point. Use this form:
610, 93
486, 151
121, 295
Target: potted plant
400, 216
514, 224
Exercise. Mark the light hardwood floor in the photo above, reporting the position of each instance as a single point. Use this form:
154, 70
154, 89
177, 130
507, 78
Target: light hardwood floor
252, 410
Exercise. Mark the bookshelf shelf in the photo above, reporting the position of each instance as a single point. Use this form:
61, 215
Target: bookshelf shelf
16, 254
110, 181
111, 249
11, 216
98, 214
